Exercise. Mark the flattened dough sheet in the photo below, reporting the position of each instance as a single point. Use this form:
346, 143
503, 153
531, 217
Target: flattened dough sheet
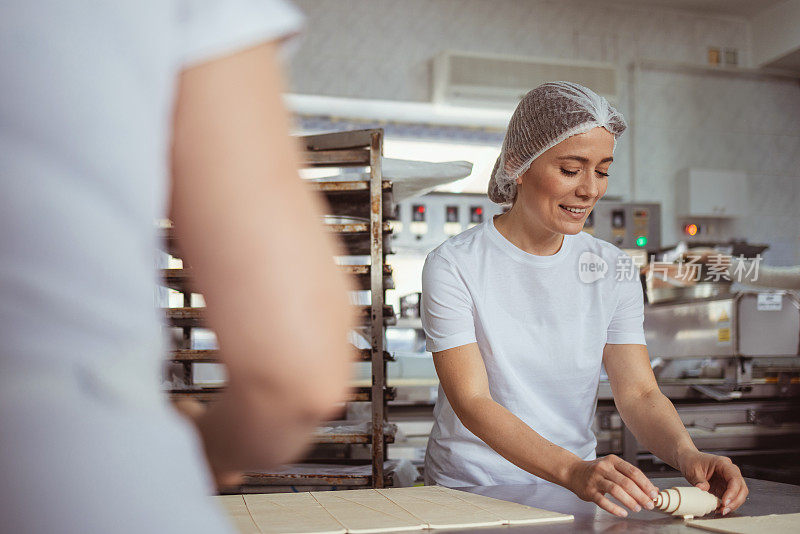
375, 511
291, 513
362, 511
240, 516
760, 524
513, 513
439, 509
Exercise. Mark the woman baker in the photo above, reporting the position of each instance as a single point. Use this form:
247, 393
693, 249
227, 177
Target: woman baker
521, 311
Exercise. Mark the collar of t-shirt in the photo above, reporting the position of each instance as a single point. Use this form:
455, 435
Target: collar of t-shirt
525, 257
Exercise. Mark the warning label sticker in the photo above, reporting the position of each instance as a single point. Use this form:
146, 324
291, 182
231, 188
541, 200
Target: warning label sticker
723, 335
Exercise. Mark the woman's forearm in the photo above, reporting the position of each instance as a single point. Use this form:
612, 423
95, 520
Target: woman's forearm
232, 154
515, 441
654, 421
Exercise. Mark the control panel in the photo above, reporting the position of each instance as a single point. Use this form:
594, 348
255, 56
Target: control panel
628, 225
424, 222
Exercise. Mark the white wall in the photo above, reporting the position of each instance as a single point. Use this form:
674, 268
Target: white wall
382, 49
776, 31
721, 122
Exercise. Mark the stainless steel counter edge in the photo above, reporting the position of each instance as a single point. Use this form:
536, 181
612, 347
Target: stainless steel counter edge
765, 498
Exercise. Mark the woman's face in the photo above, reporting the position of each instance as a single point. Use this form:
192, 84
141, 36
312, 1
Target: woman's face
563, 184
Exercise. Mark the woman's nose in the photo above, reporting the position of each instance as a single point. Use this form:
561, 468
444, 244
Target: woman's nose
587, 188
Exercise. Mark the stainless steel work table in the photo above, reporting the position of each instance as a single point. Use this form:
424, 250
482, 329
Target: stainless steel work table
765, 498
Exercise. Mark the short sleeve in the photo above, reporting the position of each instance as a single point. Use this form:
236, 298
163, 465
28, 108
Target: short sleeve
626, 326
212, 28
446, 306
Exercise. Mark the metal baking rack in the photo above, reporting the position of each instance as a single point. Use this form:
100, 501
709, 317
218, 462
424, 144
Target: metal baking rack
358, 211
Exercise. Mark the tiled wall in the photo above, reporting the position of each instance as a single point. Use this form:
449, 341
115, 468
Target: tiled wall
724, 122
382, 49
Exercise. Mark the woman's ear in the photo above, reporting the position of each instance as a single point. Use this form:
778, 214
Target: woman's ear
520, 175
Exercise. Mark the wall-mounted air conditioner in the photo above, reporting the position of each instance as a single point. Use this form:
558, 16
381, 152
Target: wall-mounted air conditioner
487, 80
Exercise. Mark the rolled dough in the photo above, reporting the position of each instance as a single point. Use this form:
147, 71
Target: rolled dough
686, 502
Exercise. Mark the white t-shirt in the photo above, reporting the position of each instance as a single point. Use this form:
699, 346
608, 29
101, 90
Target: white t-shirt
88, 442
541, 323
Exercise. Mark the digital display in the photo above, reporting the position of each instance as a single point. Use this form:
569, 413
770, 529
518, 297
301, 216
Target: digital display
618, 219
476, 214
451, 214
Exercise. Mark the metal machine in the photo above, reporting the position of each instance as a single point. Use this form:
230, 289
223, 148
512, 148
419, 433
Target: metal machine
629, 225
423, 223
728, 361
731, 365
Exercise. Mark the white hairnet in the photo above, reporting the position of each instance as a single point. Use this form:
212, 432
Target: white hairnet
544, 117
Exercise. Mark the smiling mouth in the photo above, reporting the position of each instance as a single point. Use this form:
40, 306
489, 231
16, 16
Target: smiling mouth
577, 211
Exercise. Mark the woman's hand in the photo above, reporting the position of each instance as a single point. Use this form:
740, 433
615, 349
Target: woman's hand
715, 474
591, 481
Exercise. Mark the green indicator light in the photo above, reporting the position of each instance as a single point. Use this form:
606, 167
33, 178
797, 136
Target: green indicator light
641, 241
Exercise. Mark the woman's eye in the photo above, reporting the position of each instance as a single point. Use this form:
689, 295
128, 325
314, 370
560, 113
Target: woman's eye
602, 173
569, 173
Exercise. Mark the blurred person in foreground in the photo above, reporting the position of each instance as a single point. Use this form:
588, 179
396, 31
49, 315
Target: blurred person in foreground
114, 115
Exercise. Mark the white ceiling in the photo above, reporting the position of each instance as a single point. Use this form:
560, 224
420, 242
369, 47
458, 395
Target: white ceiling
740, 8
